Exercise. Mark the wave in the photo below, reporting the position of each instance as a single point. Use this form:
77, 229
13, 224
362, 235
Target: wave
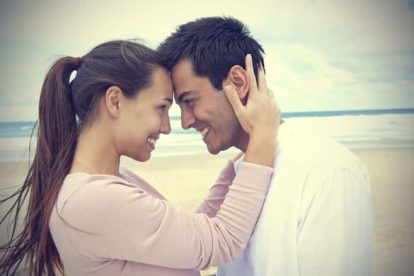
354, 131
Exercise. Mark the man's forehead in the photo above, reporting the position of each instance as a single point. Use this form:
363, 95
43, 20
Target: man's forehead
183, 78
181, 84
183, 66
181, 94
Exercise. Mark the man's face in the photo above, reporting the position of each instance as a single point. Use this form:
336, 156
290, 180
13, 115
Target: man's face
205, 108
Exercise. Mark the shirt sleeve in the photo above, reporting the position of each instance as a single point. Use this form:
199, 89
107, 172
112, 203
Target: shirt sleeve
109, 219
335, 228
217, 193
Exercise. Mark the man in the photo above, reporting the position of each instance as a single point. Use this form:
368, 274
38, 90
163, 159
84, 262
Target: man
317, 216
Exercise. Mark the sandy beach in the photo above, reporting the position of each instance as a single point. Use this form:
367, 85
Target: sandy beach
185, 180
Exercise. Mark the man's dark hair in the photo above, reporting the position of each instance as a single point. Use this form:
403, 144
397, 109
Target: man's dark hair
213, 45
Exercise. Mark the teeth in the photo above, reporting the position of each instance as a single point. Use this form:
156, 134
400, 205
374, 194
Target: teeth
204, 131
152, 141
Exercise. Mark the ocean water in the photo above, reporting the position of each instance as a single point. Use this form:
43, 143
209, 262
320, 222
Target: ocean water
354, 129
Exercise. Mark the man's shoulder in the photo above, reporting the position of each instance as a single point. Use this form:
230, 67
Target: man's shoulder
315, 150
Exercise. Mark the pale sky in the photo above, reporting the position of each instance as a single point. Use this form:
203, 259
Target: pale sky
320, 55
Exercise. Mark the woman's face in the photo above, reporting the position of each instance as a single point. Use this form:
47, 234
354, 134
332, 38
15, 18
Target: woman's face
144, 117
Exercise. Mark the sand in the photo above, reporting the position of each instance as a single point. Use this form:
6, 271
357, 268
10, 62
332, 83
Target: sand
185, 181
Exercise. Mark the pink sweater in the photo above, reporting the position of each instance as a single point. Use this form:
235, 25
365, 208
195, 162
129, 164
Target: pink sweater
106, 225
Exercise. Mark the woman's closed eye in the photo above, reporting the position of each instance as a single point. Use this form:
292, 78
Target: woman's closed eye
164, 107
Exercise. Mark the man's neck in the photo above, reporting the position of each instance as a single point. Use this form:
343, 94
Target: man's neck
243, 141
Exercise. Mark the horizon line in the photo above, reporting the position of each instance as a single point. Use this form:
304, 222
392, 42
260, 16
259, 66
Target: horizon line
319, 113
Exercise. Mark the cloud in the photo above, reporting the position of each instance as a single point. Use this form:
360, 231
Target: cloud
319, 54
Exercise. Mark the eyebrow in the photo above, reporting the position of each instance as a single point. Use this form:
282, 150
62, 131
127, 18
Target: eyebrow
180, 98
168, 100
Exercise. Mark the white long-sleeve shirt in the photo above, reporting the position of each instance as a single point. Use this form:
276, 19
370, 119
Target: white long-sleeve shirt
317, 217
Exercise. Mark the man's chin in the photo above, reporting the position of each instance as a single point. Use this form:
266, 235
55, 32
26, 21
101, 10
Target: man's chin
217, 150
213, 150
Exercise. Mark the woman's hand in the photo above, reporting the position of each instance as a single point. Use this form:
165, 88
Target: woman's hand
261, 114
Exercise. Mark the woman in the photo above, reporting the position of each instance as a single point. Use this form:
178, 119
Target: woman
88, 216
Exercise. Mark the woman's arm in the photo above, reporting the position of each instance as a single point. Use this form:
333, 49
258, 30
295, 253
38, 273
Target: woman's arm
217, 193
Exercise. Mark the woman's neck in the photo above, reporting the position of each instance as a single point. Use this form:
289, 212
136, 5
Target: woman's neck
95, 153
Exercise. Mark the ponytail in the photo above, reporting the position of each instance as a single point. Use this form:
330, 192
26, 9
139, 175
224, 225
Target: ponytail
56, 143
65, 107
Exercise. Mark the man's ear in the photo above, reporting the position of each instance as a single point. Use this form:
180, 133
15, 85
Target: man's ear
237, 77
113, 96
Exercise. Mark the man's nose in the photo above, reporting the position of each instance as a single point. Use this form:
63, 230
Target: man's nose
187, 118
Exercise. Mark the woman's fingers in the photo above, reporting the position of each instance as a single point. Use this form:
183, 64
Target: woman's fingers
262, 80
234, 100
250, 73
240, 110
259, 84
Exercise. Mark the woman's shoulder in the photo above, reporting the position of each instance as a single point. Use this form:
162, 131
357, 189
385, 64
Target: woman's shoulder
85, 188
140, 182
90, 189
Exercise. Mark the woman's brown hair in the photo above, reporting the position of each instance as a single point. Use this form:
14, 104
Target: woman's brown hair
65, 107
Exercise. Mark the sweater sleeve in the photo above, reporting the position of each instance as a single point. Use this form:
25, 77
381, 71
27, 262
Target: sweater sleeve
108, 218
215, 197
